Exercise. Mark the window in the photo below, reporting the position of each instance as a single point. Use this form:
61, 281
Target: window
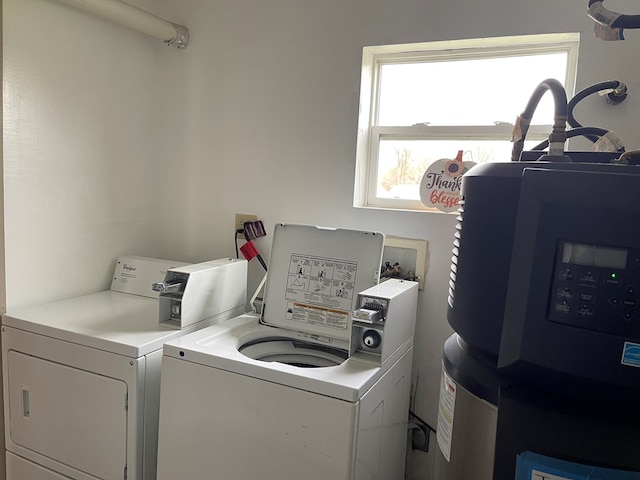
423, 102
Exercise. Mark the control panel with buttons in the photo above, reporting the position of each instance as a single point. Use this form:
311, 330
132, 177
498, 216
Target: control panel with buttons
597, 288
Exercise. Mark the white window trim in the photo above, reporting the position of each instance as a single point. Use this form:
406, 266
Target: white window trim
369, 134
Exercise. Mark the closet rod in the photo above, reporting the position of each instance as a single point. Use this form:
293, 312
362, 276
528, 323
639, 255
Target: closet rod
133, 17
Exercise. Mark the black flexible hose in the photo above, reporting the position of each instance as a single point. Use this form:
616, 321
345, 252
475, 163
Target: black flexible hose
611, 84
598, 87
622, 21
559, 98
576, 132
558, 134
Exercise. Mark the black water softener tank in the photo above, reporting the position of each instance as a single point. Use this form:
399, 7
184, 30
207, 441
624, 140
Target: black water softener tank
507, 397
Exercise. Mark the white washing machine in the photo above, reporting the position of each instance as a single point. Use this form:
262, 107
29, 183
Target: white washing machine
82, 376
303, 390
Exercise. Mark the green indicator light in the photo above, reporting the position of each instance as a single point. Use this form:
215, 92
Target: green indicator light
613, 275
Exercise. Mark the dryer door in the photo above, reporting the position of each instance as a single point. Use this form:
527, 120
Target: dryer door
71, 416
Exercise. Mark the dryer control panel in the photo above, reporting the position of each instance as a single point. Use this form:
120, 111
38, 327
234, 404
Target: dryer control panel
597, 288
135, 275
216, 289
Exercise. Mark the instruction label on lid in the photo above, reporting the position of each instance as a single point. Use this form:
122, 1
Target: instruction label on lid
320, 290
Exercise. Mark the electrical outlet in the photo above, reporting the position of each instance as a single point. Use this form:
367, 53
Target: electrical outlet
419, 438
420, 433
244, 217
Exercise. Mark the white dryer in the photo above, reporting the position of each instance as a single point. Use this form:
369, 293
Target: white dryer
300, 391
82, 376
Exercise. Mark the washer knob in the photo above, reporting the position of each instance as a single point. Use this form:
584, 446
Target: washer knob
371, 338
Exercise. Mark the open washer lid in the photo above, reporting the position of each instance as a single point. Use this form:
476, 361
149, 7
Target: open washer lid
315, 275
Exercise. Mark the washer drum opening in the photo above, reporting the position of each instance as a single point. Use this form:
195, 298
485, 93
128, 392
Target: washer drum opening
293, 352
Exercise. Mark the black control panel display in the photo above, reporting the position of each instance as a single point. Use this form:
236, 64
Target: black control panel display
597, 288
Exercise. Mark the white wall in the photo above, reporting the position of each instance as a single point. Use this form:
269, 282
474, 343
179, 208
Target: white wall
81, 130
258, 116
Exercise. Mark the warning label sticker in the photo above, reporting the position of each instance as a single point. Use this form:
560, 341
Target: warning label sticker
446, 409
317, 315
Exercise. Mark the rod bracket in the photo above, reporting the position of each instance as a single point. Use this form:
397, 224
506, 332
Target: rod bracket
181, 40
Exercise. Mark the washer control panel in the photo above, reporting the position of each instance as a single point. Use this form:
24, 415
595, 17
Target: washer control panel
597, 288
384, 320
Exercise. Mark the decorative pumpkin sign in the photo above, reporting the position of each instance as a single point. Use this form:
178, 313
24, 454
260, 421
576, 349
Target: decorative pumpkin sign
440, 185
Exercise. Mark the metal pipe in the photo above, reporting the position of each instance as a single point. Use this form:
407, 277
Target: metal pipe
133, 17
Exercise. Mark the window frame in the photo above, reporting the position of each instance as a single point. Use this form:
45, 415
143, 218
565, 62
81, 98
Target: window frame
370, 134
